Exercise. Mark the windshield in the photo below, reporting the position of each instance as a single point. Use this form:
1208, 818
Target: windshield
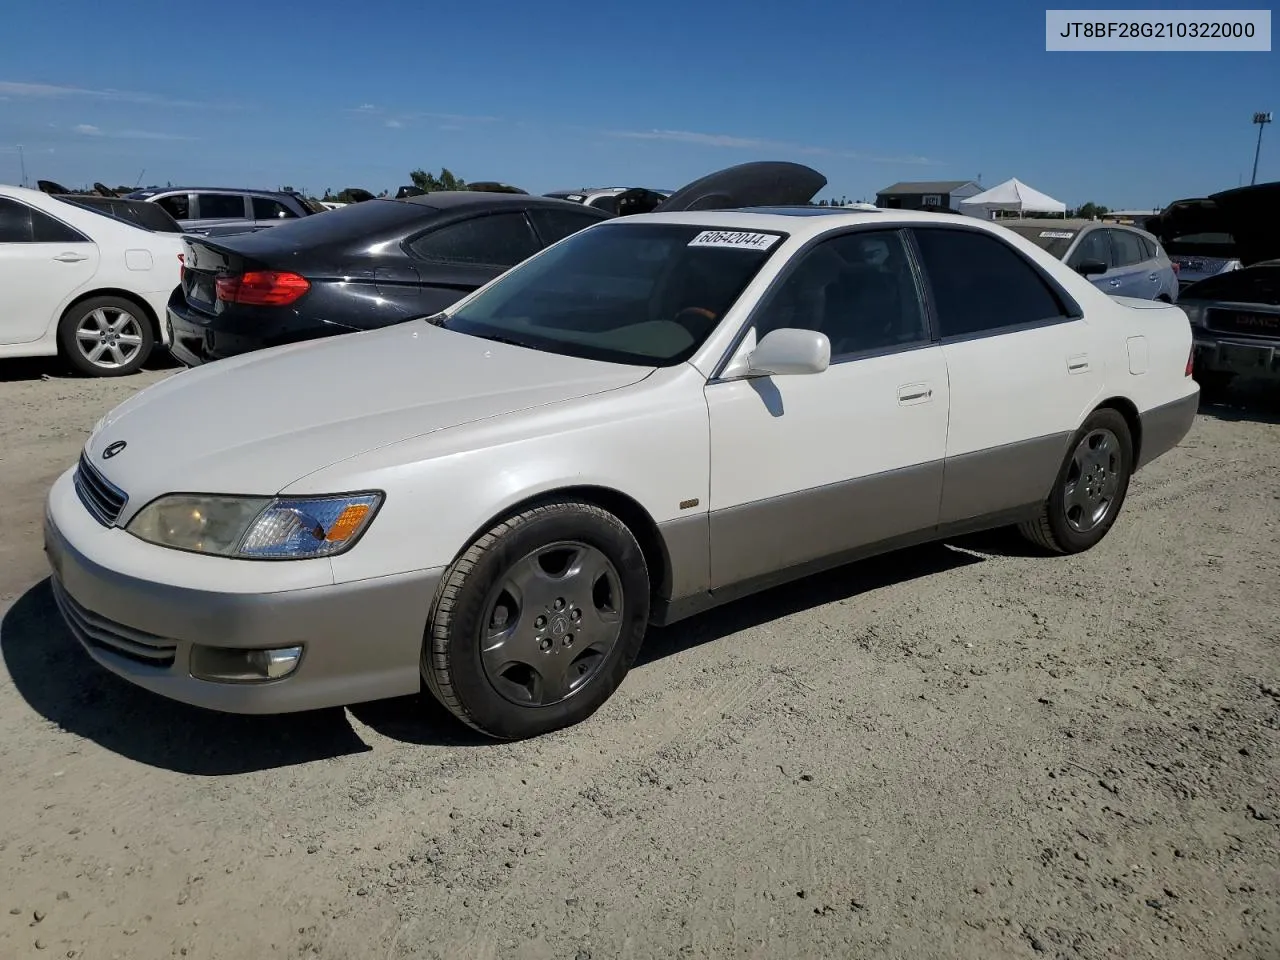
1055, 241
638, 293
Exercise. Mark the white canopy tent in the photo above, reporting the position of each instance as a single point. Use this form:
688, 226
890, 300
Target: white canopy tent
1015, 196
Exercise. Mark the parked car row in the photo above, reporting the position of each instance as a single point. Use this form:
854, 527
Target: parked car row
266, 268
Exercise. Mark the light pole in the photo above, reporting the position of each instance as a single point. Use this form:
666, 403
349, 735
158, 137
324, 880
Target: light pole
1261, 119
22, 161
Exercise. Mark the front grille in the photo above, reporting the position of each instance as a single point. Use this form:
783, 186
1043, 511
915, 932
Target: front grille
1251, 322
103, 634
100, 496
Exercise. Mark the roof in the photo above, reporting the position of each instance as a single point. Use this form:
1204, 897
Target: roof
1050, 223
1057, 223
925, 186
793, 221
814, 211
456, 199
156, 191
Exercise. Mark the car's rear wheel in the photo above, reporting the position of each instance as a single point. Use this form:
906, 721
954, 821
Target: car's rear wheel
106, 337
538, 621
1090, 487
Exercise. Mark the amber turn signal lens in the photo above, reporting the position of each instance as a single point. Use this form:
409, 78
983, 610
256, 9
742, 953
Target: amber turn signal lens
348, 522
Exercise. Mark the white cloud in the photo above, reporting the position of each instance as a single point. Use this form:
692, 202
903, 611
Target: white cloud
89, 130
757, 143
53, 91
394, 123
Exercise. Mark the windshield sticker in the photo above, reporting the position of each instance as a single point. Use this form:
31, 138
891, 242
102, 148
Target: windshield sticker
1057, 234
734, 238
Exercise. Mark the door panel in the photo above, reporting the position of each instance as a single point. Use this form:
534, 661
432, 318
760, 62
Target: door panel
1015, 400
805, 467
36, 279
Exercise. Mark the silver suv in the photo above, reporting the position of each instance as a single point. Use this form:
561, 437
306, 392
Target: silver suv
216, 210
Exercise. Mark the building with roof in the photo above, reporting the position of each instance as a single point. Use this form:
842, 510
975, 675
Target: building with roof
936, 195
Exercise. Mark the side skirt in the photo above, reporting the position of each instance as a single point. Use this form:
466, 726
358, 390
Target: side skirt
667, 612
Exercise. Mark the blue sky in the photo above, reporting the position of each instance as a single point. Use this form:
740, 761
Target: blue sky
567, 94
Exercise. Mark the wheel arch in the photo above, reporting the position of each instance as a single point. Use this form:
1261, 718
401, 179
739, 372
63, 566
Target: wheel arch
148, 313
1129, 410
623, 506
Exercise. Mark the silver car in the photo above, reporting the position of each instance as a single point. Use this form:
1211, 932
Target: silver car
207, 210
1120, 260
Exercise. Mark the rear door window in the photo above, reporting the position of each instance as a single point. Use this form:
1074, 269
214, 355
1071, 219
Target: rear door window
178, 206
978, 284
499, 239
553, 225
45, 229
1125, 248
15, 221
265, 208
220, 206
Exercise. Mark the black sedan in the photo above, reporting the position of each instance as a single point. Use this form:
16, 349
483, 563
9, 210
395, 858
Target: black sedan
383, 261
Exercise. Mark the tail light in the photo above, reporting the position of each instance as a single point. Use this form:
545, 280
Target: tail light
1191, 356
262, 288
1176, 269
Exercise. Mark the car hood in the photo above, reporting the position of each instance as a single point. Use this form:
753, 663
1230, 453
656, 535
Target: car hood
256, 423
761, 183
1250, 214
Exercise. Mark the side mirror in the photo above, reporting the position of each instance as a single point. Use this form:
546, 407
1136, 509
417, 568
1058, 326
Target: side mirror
1090, 268
790, 351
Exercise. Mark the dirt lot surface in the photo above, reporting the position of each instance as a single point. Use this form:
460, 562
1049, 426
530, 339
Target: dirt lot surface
962, 751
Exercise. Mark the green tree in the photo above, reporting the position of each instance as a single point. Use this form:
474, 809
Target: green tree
430, 182
1091, 210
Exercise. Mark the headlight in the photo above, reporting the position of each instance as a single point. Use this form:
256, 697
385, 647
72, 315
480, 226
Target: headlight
267, 528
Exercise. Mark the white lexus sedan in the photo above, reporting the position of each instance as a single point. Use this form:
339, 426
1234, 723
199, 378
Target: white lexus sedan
653, 416
81, 283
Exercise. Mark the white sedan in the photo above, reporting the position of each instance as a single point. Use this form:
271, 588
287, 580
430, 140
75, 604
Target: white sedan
81, 283
653, 416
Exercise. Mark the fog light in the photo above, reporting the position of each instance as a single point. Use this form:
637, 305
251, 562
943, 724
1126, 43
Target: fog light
232, 665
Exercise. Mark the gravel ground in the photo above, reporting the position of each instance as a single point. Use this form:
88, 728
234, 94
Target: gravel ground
961, 751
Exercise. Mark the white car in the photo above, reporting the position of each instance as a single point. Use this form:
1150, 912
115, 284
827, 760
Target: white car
653, 416
81, 283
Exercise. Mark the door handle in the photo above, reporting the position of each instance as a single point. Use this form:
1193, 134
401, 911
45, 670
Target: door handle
1154, 277
915, 393
70, 257
1113, 283
1077, 364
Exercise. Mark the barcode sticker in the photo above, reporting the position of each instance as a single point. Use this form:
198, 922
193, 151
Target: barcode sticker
737, 239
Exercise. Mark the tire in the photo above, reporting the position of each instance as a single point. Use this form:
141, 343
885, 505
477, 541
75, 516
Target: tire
1072, 519
106, 337
560, 642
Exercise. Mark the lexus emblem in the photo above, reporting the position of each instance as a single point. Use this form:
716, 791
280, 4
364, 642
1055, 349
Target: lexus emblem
113, 449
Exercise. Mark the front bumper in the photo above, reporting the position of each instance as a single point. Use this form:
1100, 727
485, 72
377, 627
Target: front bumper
1237, 355
361, 641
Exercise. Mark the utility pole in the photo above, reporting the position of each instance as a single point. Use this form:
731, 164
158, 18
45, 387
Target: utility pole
1261, 119
22, 160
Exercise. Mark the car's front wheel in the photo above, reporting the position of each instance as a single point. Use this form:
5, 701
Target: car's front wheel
1090, 487
106, 337
538, 621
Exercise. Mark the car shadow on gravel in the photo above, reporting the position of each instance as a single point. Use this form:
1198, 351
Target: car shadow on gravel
832, 586
53, 368
62, 683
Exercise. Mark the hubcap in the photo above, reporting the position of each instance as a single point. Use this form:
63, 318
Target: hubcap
109, 337
1093, 480
550, 623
